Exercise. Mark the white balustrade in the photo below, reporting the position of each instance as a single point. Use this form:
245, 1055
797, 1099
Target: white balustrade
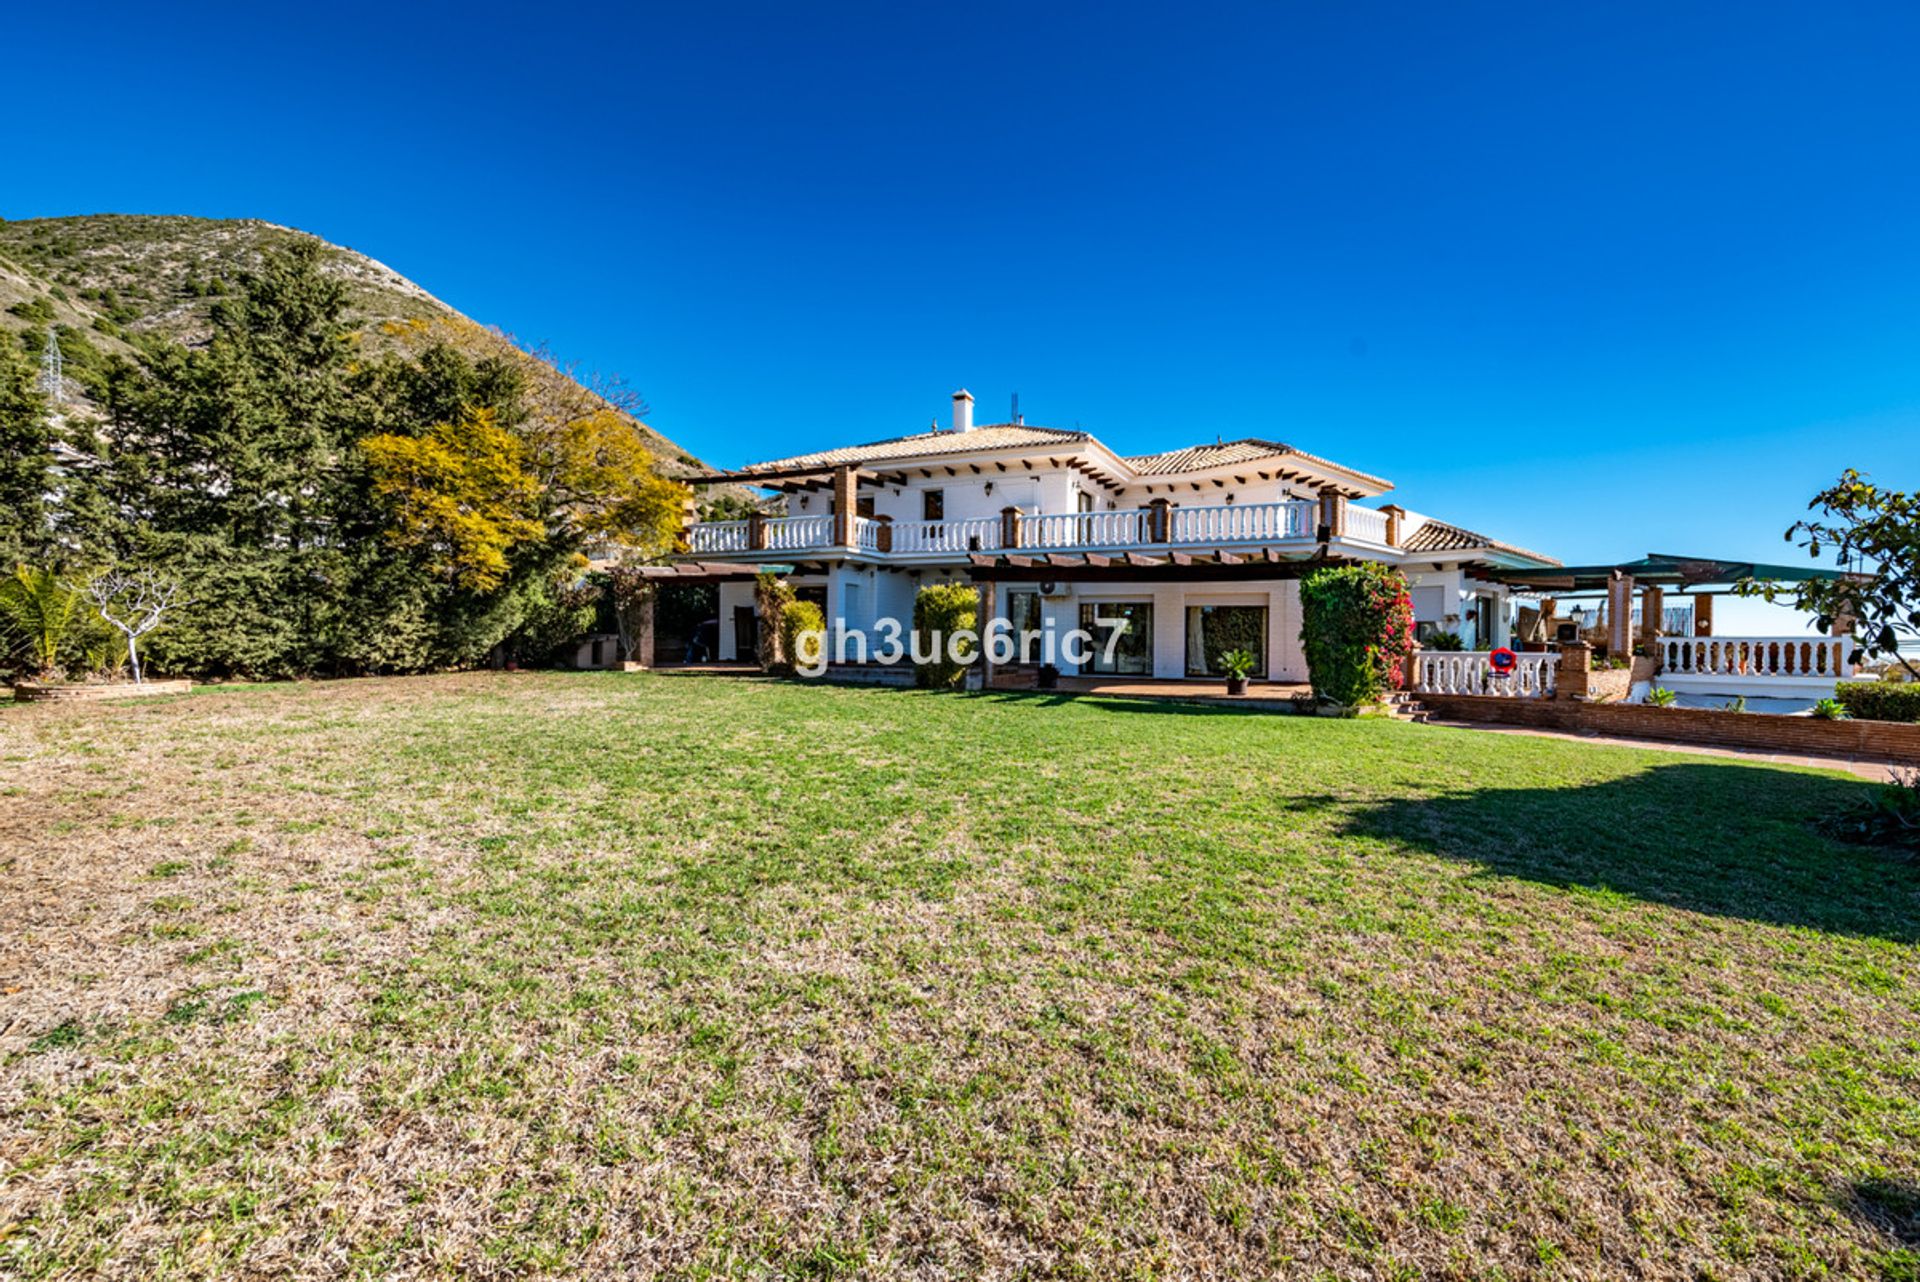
1471, 672
1227, 524
1801, 657
1368, 524
718, 536
959, 537
1244, 523
794, 533
1085, 529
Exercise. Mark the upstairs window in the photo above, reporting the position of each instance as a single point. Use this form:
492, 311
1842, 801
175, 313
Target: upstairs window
933, 505
863, 506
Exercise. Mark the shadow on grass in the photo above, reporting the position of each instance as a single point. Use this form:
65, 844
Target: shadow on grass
1723, 839
1167, 706
1891, 1207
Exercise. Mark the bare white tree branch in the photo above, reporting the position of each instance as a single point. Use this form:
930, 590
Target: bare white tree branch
133, 601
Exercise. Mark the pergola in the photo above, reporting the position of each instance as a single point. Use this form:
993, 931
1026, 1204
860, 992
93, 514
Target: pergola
1697, 577
687, 574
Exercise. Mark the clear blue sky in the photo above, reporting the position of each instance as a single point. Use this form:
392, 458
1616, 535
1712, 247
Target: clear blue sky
1596, 279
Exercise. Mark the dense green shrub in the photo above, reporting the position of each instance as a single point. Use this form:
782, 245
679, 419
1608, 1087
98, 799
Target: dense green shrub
940, 611
1880, 700
1357, 630
1450, 641
37, 310
803, 634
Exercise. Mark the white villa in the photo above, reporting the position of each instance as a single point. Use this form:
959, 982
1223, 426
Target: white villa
1198, 548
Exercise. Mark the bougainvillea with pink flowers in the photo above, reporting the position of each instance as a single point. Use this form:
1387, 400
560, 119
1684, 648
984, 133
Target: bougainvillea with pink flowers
1356, 623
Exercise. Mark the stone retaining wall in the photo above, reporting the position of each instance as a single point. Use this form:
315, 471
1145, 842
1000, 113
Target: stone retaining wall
1872, 740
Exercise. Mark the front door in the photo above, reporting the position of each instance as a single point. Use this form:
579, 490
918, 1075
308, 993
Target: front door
746, 633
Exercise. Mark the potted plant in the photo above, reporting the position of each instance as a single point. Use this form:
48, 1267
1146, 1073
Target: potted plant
1238, 665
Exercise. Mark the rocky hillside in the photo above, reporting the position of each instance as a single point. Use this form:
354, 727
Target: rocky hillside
104, 280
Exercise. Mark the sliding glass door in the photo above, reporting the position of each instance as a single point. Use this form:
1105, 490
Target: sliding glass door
1130, 653
1212, 630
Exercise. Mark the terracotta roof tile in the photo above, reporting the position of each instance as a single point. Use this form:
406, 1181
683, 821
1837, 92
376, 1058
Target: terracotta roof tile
1197, 458
1438, 536
995, 436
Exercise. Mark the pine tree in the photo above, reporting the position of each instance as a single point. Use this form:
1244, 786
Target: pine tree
26, 461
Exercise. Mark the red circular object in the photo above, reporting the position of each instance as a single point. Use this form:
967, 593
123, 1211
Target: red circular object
1503, 660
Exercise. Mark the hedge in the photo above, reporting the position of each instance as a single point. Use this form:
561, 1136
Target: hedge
1356, 625
939, 611
803, 634
1880, 700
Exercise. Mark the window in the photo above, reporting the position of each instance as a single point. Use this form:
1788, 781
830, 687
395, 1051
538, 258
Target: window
863, 506
933, 505
1085, 501
1129, 655
1212, 630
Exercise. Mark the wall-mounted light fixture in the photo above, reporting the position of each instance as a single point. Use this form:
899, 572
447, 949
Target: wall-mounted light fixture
989, 487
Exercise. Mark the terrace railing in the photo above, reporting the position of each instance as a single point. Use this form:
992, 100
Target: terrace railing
954, 537
1295, 521
1800, 657
718, 536
1244, 523
1471, 672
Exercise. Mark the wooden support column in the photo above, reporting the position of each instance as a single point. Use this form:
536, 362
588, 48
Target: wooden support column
1619, 614
846, 507
756, 530
983, 619
883, 537
1703, 615
1009, 527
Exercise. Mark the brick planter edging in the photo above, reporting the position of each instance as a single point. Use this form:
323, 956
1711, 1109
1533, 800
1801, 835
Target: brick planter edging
1873, 740
28, 692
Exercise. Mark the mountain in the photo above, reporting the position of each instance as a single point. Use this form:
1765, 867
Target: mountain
106, 280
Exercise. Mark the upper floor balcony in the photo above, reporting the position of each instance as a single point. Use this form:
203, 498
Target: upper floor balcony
1302, 522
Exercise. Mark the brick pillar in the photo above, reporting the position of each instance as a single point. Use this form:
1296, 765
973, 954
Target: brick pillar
1703, 616
1395, 514
1159, 521
845, 506
640, 627
1574, 679
1009, 527
1842, 625
1620, 614
1333, 513
756, 530
689, 517
883, 537
1653, 604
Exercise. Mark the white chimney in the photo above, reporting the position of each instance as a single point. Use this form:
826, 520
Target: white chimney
963, 411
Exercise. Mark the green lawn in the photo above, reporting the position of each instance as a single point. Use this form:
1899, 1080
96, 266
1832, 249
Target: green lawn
638, 976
